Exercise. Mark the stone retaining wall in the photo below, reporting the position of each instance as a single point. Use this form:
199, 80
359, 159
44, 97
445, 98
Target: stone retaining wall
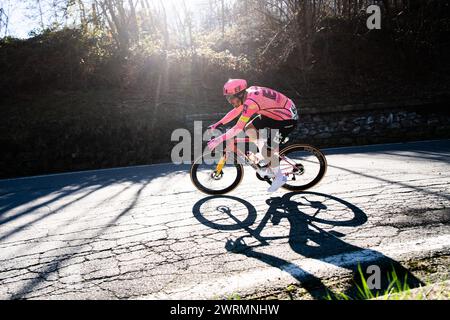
366, 124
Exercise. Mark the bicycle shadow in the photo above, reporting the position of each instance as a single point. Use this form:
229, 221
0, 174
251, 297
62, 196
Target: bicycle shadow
307, 239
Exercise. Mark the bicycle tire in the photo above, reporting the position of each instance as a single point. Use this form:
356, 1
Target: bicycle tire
320, 156
202, 188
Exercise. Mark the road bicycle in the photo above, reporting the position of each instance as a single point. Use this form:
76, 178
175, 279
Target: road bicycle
303, 164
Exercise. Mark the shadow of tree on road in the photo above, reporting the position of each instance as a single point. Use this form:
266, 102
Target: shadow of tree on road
19, 194
58, 262
85, 183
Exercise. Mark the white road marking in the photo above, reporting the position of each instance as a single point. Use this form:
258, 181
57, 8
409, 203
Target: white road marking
171, 163
298, 269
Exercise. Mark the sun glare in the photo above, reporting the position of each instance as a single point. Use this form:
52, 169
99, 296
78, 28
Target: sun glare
177, 8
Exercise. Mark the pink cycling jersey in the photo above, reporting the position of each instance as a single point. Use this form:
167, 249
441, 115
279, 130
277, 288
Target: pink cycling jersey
269, 103
263, 101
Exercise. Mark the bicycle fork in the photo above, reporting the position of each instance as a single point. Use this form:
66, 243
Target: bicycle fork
221, 164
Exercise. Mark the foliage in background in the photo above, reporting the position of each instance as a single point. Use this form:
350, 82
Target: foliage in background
145, 44
93, 84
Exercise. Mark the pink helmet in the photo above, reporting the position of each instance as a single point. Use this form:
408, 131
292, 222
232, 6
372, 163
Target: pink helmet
234, 86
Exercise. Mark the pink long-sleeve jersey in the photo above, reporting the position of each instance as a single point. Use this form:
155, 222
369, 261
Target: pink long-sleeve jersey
259, 100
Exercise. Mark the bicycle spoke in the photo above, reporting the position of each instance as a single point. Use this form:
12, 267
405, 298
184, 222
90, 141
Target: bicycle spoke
206, 177
301, 166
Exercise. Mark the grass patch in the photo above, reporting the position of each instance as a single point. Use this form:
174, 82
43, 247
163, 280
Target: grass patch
397, 289
234, 296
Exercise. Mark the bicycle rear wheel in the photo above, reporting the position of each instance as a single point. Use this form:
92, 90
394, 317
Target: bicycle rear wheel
304, 165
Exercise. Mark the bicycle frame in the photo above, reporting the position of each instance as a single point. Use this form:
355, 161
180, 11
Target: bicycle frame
232, 147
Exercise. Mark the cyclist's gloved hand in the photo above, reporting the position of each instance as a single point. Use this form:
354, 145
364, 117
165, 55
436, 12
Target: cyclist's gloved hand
213, 143
214, 126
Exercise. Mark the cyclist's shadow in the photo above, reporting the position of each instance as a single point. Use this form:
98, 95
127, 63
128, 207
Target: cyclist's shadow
302, 233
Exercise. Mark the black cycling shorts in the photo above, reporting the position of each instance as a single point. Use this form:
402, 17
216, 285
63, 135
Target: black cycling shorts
285, 127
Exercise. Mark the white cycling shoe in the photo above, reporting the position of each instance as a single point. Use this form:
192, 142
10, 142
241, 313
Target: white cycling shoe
278, 182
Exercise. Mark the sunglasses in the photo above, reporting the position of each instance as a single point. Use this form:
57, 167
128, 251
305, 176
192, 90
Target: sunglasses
229, 98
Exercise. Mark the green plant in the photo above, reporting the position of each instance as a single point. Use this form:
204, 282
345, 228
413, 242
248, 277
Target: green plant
290, 288
234, 296
396, 289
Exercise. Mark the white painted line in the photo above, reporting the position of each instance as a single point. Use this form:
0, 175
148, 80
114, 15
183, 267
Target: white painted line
386, 144
94, 171
170, 163
298, 269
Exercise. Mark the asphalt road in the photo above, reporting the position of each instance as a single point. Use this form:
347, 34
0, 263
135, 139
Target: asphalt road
146, 232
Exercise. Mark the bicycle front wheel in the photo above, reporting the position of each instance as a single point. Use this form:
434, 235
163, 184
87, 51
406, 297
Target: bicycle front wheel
206, 178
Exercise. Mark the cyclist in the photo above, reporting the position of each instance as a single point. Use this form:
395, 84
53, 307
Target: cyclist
268, 109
